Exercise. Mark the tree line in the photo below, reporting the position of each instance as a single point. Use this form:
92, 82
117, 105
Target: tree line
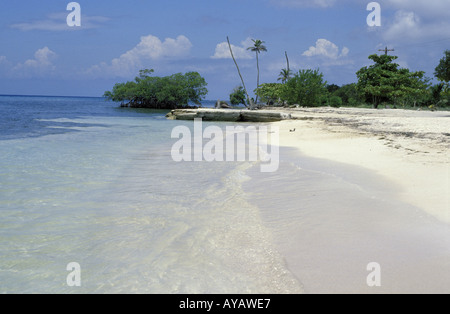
384, 83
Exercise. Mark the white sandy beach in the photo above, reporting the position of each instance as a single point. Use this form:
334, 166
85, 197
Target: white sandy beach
367, 186
410, 148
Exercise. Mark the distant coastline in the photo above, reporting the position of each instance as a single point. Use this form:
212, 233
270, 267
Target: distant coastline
203, 102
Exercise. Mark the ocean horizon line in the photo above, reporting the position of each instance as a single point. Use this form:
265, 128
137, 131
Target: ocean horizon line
54, 96
68, 96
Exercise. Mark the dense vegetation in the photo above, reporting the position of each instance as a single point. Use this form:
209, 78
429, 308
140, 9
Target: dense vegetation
169, 92
383, 83
238, 96
442, 71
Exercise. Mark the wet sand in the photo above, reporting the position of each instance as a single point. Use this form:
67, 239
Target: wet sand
360, 186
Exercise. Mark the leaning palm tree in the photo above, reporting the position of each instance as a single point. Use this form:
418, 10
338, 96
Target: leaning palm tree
284, 75
257, 47
287, 61
240, 75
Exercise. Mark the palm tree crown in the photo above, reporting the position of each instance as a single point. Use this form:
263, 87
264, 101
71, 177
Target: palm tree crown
284, 75
258, 47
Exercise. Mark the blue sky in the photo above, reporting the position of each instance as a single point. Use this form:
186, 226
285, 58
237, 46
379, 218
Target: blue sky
41, 55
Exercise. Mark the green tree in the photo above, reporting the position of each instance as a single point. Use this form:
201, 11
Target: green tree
384, 81
195, 85
249, 100
332, 88
442, 71
374, 82
306, 88
258, 47
335, 101
166, 92
435, 94
407, 84
237, 96
122, 92
349, 95
144, 74
270, 93
284, 75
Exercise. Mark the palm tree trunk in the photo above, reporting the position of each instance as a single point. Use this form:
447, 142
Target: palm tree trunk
287, 61
257, 78
242, 80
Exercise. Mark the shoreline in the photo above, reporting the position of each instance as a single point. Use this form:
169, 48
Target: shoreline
356, 187
330, 220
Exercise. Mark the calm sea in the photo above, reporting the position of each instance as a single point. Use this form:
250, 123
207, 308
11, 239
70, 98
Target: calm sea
84, 181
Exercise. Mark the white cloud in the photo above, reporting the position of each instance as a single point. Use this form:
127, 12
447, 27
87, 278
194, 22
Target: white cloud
240, 52
415, 20
344, 52
149, 48
404, 23
40, 66
434, 9
409, 25
326, 49
57, 22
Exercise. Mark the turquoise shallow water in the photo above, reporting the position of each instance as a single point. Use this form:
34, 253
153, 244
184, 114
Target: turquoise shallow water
84, 181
